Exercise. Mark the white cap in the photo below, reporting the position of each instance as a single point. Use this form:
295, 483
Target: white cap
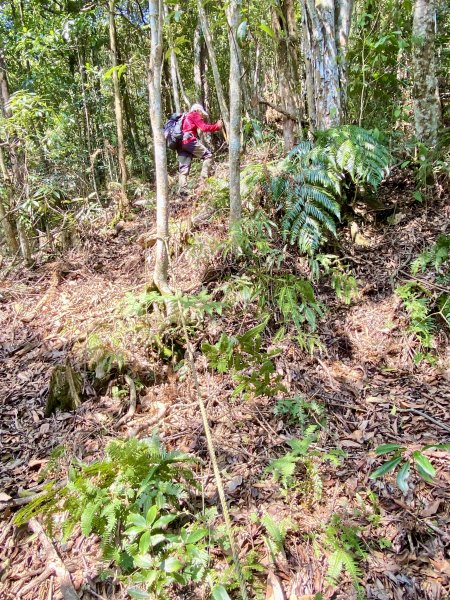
198, 108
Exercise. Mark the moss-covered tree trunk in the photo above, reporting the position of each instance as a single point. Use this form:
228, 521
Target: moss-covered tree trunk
234, 15
160, 276
425, 89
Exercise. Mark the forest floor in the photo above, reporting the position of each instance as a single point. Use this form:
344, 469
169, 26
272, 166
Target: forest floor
364, 376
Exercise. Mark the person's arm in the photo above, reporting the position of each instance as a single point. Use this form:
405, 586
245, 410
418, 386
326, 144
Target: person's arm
200, 124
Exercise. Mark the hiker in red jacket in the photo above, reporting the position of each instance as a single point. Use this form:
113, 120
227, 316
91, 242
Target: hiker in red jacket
192, 148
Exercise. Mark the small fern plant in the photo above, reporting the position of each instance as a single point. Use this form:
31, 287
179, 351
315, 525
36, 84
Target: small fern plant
347, 552
251, 367
134, 476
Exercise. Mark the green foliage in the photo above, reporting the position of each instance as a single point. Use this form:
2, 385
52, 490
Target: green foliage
252, 368
423, 304
286, 468
104, 357
307, 184
404, 459
132, 499
434, 256
299, 411
347, 552
276, 532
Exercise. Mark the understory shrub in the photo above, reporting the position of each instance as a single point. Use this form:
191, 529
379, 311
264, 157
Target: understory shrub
309, 185
136, 499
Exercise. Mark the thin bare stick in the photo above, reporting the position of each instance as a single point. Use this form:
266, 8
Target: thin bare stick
425, 416
56, 565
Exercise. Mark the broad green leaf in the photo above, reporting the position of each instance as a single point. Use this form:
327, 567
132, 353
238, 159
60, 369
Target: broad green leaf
144, 542
157, 539
423, 465
264, 27
137, 520
138, 594
144, 561
151, 514
437, 447
171, 565
134, 530
402, 477
196, 536
220, 593
386, 467
385, 448
163, 521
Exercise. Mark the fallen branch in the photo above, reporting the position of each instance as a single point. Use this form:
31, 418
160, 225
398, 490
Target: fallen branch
56, 566
132, 408
425, 416
283, 111
146, 424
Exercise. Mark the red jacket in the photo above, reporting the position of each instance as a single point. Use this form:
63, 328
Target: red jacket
194, 121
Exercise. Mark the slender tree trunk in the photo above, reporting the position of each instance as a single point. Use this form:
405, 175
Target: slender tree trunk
174, 78
343, 22
7, 220
162, 185
123, 202
215, 69
425, 89
19, 186
284, 26
184, 96
198, 74
326, 24
234, 15
87, 122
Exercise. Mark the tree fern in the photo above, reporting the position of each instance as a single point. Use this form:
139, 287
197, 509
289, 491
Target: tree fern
347, 552
307, 186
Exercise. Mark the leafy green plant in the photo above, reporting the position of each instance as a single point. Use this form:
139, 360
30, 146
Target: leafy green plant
435, 256
285, 468
307, 185
403, 459
418, 301
299, 411
103, 355
133, 500
347, 552
252, 368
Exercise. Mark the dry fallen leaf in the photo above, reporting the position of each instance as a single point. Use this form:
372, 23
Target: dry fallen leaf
430, 509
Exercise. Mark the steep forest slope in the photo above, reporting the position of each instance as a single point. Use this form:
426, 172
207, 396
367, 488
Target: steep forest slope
361, 390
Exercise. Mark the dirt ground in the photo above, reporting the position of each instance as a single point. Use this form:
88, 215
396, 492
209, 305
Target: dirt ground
373, 393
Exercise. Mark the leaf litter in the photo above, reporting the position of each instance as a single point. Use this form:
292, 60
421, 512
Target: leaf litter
365, 379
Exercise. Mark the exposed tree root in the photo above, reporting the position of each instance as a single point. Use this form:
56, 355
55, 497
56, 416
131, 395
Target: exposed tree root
56, 566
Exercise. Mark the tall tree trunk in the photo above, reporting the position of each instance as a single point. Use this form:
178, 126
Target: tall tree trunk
162, 185
19, 185
234, 15
199, 64
123, 201
326, 24
7, 220
174, 78
215, 69
284, 26
343, 21
425, 89
87, 121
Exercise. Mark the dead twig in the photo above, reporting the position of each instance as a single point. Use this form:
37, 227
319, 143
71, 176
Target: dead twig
425, 416
56, 566
43, 576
